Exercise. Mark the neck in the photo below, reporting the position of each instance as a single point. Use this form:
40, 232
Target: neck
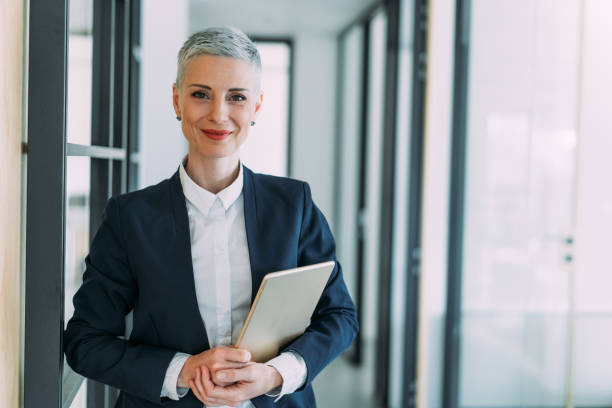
212, 174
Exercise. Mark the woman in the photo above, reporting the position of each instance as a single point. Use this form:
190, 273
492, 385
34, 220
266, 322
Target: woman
188, 254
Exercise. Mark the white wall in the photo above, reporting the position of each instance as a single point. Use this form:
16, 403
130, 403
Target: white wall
162, 145
314, 111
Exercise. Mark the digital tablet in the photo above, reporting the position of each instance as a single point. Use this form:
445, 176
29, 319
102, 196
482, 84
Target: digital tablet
282, 309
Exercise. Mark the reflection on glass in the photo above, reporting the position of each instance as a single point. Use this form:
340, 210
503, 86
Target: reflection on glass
80, 399
80, 55
77, 227
265, 150
519, 203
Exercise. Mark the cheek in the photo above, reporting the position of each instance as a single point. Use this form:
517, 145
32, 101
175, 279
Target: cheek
193, 110
244, 117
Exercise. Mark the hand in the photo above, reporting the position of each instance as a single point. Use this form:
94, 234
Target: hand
249, 382
215, 359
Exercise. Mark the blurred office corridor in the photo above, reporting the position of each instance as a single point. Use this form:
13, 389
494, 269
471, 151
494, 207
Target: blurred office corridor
459, 150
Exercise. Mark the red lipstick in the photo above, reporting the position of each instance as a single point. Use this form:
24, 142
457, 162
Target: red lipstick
216, 134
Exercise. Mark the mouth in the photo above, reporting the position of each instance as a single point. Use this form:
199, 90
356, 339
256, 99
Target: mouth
216, 134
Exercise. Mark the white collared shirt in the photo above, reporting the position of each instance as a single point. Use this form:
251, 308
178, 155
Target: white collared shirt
222, 276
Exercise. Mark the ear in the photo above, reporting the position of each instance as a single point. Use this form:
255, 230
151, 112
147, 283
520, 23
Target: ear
175, 100
258, 103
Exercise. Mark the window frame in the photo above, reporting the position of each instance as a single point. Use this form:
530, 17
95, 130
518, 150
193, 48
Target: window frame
114, 169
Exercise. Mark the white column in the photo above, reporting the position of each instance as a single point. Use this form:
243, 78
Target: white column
314, 111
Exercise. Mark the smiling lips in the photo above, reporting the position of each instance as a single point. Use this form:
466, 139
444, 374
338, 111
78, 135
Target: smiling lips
215, 134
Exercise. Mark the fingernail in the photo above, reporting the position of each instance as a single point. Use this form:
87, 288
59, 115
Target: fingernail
221, 376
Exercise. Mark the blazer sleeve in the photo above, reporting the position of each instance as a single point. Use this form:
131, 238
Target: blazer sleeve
334, 323
92, 340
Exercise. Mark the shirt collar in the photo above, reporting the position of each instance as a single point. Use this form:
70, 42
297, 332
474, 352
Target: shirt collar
203, 199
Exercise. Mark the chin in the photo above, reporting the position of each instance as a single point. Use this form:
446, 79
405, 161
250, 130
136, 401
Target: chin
214, 155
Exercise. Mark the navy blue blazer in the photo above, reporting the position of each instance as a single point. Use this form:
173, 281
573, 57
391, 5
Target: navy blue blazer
140, 260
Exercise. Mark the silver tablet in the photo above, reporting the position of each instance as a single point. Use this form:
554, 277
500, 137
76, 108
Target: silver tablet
282, 309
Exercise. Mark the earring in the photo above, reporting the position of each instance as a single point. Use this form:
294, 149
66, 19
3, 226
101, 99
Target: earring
178, 118
253, 123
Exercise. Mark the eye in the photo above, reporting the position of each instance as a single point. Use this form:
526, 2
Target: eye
237, 98
200, 95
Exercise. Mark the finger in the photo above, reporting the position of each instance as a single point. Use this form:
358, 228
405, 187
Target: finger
223, 375
199, 386
237, 355
248, 374
217, 366
228, 393
207, 400
230, 354
195, 391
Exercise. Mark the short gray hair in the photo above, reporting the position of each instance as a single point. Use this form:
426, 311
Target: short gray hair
221, 42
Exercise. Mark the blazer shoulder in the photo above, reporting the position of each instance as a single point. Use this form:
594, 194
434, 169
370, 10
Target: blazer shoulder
289, 188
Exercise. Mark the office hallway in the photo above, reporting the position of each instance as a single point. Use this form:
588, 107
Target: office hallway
343, 385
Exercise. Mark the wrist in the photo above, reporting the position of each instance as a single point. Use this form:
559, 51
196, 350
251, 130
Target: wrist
184, 377
276, 380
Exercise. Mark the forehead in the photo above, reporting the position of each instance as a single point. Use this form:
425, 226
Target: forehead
219, 72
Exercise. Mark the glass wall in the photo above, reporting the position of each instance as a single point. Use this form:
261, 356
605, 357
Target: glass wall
80, 58
266, 148
401, 258
519, 218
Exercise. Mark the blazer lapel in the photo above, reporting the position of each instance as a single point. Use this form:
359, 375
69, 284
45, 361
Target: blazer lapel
184, 264
253, 229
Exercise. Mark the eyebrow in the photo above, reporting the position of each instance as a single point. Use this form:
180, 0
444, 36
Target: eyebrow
230, 90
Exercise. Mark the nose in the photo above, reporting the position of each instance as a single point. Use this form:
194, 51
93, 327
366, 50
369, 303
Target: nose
219, 111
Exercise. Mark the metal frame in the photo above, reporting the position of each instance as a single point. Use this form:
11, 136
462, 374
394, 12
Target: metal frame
133, 145
114, 123
338, 162
387, 204
356, 355
452, 328
44, 310
112, 118
99, 152
289, 42
415, 195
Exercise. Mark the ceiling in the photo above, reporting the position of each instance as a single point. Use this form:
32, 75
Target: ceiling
277, 17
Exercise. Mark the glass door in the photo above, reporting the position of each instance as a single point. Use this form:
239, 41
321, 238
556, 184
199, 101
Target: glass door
517, 270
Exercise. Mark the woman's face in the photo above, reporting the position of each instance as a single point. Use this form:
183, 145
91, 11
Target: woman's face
217, 101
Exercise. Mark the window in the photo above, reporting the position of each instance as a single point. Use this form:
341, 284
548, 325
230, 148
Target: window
267, 148
79, 154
